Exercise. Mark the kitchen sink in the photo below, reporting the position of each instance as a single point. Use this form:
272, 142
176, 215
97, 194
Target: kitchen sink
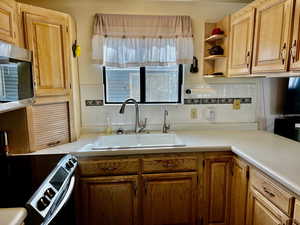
137, 141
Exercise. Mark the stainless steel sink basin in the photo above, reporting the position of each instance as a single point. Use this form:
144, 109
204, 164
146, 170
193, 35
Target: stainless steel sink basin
137, 141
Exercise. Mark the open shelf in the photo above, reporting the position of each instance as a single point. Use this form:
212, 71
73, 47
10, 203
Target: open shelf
215, 37
214, 57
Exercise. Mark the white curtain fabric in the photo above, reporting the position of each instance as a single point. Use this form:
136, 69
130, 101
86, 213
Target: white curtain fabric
160, 40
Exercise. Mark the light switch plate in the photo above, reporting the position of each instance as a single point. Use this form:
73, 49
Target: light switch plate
236, 104
194, 114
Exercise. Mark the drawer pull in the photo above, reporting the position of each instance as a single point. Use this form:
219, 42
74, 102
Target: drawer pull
269, 193
170, 165
51, 144
109, 168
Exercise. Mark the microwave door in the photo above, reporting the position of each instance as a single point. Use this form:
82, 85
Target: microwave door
2, 85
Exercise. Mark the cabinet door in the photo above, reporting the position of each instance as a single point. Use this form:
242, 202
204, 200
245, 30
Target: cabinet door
48, 125
272, 31
297, 213
108, 201
47, 36
242, 33
169, 199
295, 48
239, 192
262, 212
7, 21
217, 189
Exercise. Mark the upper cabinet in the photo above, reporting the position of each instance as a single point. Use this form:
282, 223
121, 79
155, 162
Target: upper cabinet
241, 40
295, 46
46, 34
8, 21
271, 43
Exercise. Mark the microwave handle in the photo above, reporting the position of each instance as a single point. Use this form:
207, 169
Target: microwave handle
63, 201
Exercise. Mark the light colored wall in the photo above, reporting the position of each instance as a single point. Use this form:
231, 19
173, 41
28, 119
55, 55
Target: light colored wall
90, 75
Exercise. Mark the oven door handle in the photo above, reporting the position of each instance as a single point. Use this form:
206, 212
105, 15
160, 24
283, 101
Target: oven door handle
62, 202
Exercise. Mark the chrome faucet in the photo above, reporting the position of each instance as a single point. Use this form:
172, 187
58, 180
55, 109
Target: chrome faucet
166, 127
139, 126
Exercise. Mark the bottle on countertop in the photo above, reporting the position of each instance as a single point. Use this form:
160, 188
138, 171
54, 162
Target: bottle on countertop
108, 128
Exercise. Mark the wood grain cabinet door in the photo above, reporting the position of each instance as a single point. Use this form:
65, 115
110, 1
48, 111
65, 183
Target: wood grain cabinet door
217, 190
108, 201
295, 46
7, 21
169, 199
260, 211
239, 192
241, 42
272, 32
47, 37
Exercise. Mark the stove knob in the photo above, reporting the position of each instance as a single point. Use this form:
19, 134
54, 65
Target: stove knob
74, 160
49, 193
69, 165
42, 203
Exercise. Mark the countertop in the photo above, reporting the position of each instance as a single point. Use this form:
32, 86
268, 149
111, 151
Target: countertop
12, 216
277, 156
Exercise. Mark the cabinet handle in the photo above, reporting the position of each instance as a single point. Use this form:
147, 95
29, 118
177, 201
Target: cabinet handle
51, 144
109, 168
269, 193
248, 59
294, 51
135, 188
170, 165
283, 54
145, 188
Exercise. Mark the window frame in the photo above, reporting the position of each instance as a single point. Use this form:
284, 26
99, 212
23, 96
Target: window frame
143, 88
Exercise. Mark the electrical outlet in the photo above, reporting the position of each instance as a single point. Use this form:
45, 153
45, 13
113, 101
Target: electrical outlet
194, 113
236, 105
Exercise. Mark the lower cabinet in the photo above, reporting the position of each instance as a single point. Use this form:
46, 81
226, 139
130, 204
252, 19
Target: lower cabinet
109, 200
217, 189
297, 213
260, 211
169, 199
239, 192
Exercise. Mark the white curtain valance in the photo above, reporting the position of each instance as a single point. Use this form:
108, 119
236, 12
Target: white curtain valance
132, 40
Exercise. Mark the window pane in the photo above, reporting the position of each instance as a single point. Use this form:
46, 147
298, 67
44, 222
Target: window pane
122, 83
162, 84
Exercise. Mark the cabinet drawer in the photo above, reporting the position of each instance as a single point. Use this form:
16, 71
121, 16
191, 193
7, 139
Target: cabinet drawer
108, 167
167, 164
277, 195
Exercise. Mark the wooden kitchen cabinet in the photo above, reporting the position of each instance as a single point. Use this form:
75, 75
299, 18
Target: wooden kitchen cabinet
272, 32
46, 34
295, 45
8, 24
260, 211
239, 192
297, 213
169, 198
48, 125
241, 42
109, 200
217, 189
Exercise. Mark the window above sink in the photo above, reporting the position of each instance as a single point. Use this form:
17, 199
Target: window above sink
148, 85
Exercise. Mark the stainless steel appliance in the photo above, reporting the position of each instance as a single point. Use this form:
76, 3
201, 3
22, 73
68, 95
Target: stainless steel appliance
53, 193
16, 81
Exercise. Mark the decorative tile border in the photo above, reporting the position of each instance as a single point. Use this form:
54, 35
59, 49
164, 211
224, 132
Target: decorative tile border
193, 101
93, 102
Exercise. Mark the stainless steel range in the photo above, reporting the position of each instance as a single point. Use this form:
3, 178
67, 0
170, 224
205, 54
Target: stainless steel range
53, 193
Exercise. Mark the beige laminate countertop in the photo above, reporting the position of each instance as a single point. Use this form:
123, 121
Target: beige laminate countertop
12, 216
277, 156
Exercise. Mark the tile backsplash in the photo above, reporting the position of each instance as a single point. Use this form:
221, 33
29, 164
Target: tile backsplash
218, 101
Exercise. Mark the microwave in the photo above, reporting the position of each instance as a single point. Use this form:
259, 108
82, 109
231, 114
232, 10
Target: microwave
16, 80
